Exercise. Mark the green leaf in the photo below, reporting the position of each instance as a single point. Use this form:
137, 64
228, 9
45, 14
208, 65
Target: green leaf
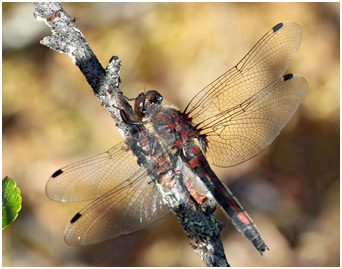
11, 201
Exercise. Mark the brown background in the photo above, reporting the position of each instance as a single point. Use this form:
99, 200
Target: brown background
51, 119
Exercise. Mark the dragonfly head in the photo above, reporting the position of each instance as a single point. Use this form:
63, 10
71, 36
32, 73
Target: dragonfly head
147, 102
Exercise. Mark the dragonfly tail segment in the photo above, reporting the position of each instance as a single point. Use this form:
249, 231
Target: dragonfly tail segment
223, 196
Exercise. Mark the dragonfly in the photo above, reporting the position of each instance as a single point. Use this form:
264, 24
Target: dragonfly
229, 121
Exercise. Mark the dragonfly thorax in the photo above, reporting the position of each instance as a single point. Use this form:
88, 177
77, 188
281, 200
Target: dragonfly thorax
147, 103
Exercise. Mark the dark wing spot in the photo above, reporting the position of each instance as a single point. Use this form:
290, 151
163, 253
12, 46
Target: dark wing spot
287, 77
277, 27
76, 217
57, 173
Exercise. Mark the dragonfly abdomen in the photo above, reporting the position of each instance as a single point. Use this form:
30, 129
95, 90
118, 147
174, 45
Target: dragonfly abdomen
199, 165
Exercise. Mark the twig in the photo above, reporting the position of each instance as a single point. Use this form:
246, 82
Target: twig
198, 220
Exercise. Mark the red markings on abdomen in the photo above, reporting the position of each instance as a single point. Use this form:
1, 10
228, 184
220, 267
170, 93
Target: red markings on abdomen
233, 204
243, 217
198, 162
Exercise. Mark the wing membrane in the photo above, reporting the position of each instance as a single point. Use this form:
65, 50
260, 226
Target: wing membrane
225, 109
126, 199
130, 206
256, 123
92, 177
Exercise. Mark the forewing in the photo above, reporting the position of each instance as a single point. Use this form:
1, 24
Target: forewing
92, 177
238, 111
129, 207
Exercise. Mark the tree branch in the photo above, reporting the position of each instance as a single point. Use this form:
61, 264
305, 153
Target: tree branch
198, 220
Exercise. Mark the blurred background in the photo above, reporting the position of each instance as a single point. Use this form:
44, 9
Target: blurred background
50, 119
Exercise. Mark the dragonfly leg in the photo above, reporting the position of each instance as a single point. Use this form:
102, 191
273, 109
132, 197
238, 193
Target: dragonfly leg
127, 121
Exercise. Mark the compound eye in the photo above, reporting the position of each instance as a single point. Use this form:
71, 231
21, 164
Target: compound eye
146, 101
154, 97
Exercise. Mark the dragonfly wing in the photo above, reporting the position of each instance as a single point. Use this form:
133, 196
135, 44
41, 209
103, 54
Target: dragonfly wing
254, 127
243, 110
92, 177
128, 207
